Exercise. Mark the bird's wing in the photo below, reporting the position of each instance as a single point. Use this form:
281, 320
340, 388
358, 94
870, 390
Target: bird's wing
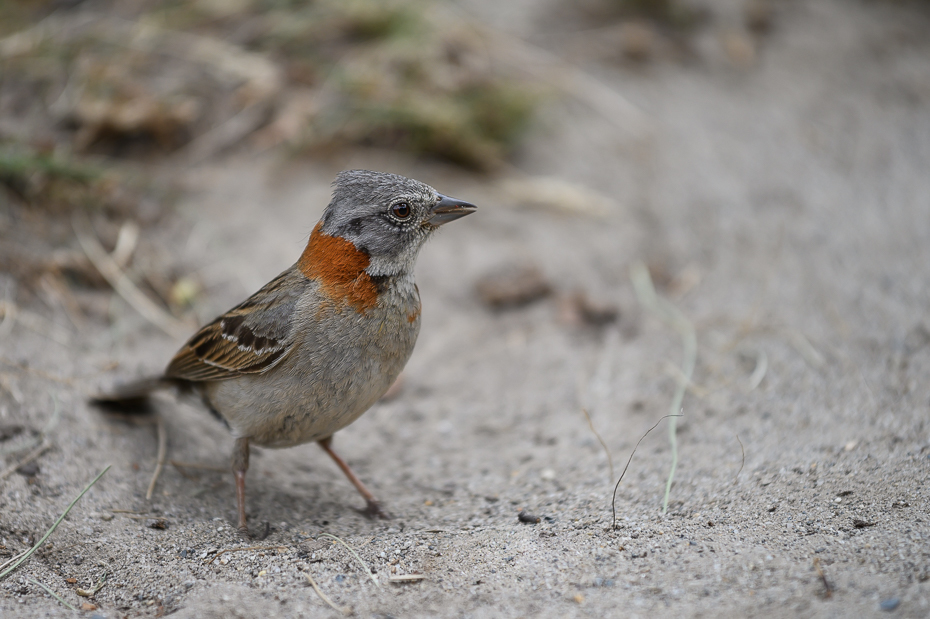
251, 338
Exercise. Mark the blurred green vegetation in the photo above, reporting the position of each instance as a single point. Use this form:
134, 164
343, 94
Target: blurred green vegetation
671, 13
45, 179
390, 74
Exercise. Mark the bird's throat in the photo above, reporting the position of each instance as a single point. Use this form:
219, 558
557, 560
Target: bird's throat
339, 267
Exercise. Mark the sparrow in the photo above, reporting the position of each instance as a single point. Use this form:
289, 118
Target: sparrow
317, 346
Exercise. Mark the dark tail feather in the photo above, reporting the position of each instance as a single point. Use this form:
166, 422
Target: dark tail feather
132, 397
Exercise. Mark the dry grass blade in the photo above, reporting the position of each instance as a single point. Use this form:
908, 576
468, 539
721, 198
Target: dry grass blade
162, 453
52, 593
36, 371
807, 350
222, 552
401, 578
89, 593
613, 500
51, 530
743, 463
323, 596
610, 461
364, 565
827, 587
762, 367
672, 316
121, 283
14, 559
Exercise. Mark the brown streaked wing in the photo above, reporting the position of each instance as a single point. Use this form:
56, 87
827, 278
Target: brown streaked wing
248, 339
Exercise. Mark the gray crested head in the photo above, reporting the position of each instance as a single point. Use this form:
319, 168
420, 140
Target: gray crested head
387, 216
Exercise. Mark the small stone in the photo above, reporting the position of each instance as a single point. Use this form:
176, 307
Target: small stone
889, 604
850, 445
30, 469
579, 310
512, 287
547, 475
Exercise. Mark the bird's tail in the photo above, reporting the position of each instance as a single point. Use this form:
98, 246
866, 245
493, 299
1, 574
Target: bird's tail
131, 397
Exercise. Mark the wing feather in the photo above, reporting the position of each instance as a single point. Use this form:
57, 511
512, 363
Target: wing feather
248, 339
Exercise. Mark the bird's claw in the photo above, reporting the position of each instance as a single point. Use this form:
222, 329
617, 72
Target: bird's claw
374, 511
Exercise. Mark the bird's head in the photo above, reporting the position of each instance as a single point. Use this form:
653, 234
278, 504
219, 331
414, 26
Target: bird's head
388, 217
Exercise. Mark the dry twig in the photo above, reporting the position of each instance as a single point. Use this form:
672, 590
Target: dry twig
162, 452
121, 282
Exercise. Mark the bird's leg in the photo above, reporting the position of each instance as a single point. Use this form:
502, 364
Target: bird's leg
240, 464
373, 508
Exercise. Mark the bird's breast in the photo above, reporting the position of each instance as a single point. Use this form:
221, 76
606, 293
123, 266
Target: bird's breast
343, 361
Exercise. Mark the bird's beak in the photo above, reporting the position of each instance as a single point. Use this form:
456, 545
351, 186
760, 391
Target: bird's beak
449, 209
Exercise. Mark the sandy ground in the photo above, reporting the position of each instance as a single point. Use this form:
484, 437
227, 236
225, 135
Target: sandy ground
789, 205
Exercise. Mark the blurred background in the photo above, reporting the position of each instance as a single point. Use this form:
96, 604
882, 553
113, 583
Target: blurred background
762, 165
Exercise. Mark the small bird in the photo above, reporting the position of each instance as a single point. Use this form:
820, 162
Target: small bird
317, 346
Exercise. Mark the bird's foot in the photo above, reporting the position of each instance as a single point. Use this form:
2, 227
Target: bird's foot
374, 511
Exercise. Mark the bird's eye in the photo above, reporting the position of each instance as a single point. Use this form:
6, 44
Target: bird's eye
401, 210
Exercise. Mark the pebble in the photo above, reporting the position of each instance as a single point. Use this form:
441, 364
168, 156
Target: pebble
889, 604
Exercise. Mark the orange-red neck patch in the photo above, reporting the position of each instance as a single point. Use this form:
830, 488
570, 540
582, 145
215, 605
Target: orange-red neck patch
340, 268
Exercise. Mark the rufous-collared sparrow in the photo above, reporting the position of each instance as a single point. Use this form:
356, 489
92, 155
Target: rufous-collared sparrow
311, 351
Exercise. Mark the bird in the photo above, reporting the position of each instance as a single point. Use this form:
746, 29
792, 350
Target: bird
318, 345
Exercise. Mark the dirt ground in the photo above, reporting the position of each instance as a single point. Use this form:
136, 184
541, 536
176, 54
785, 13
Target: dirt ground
781, 199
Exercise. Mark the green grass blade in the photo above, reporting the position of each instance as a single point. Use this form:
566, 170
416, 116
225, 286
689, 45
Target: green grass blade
51, 530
